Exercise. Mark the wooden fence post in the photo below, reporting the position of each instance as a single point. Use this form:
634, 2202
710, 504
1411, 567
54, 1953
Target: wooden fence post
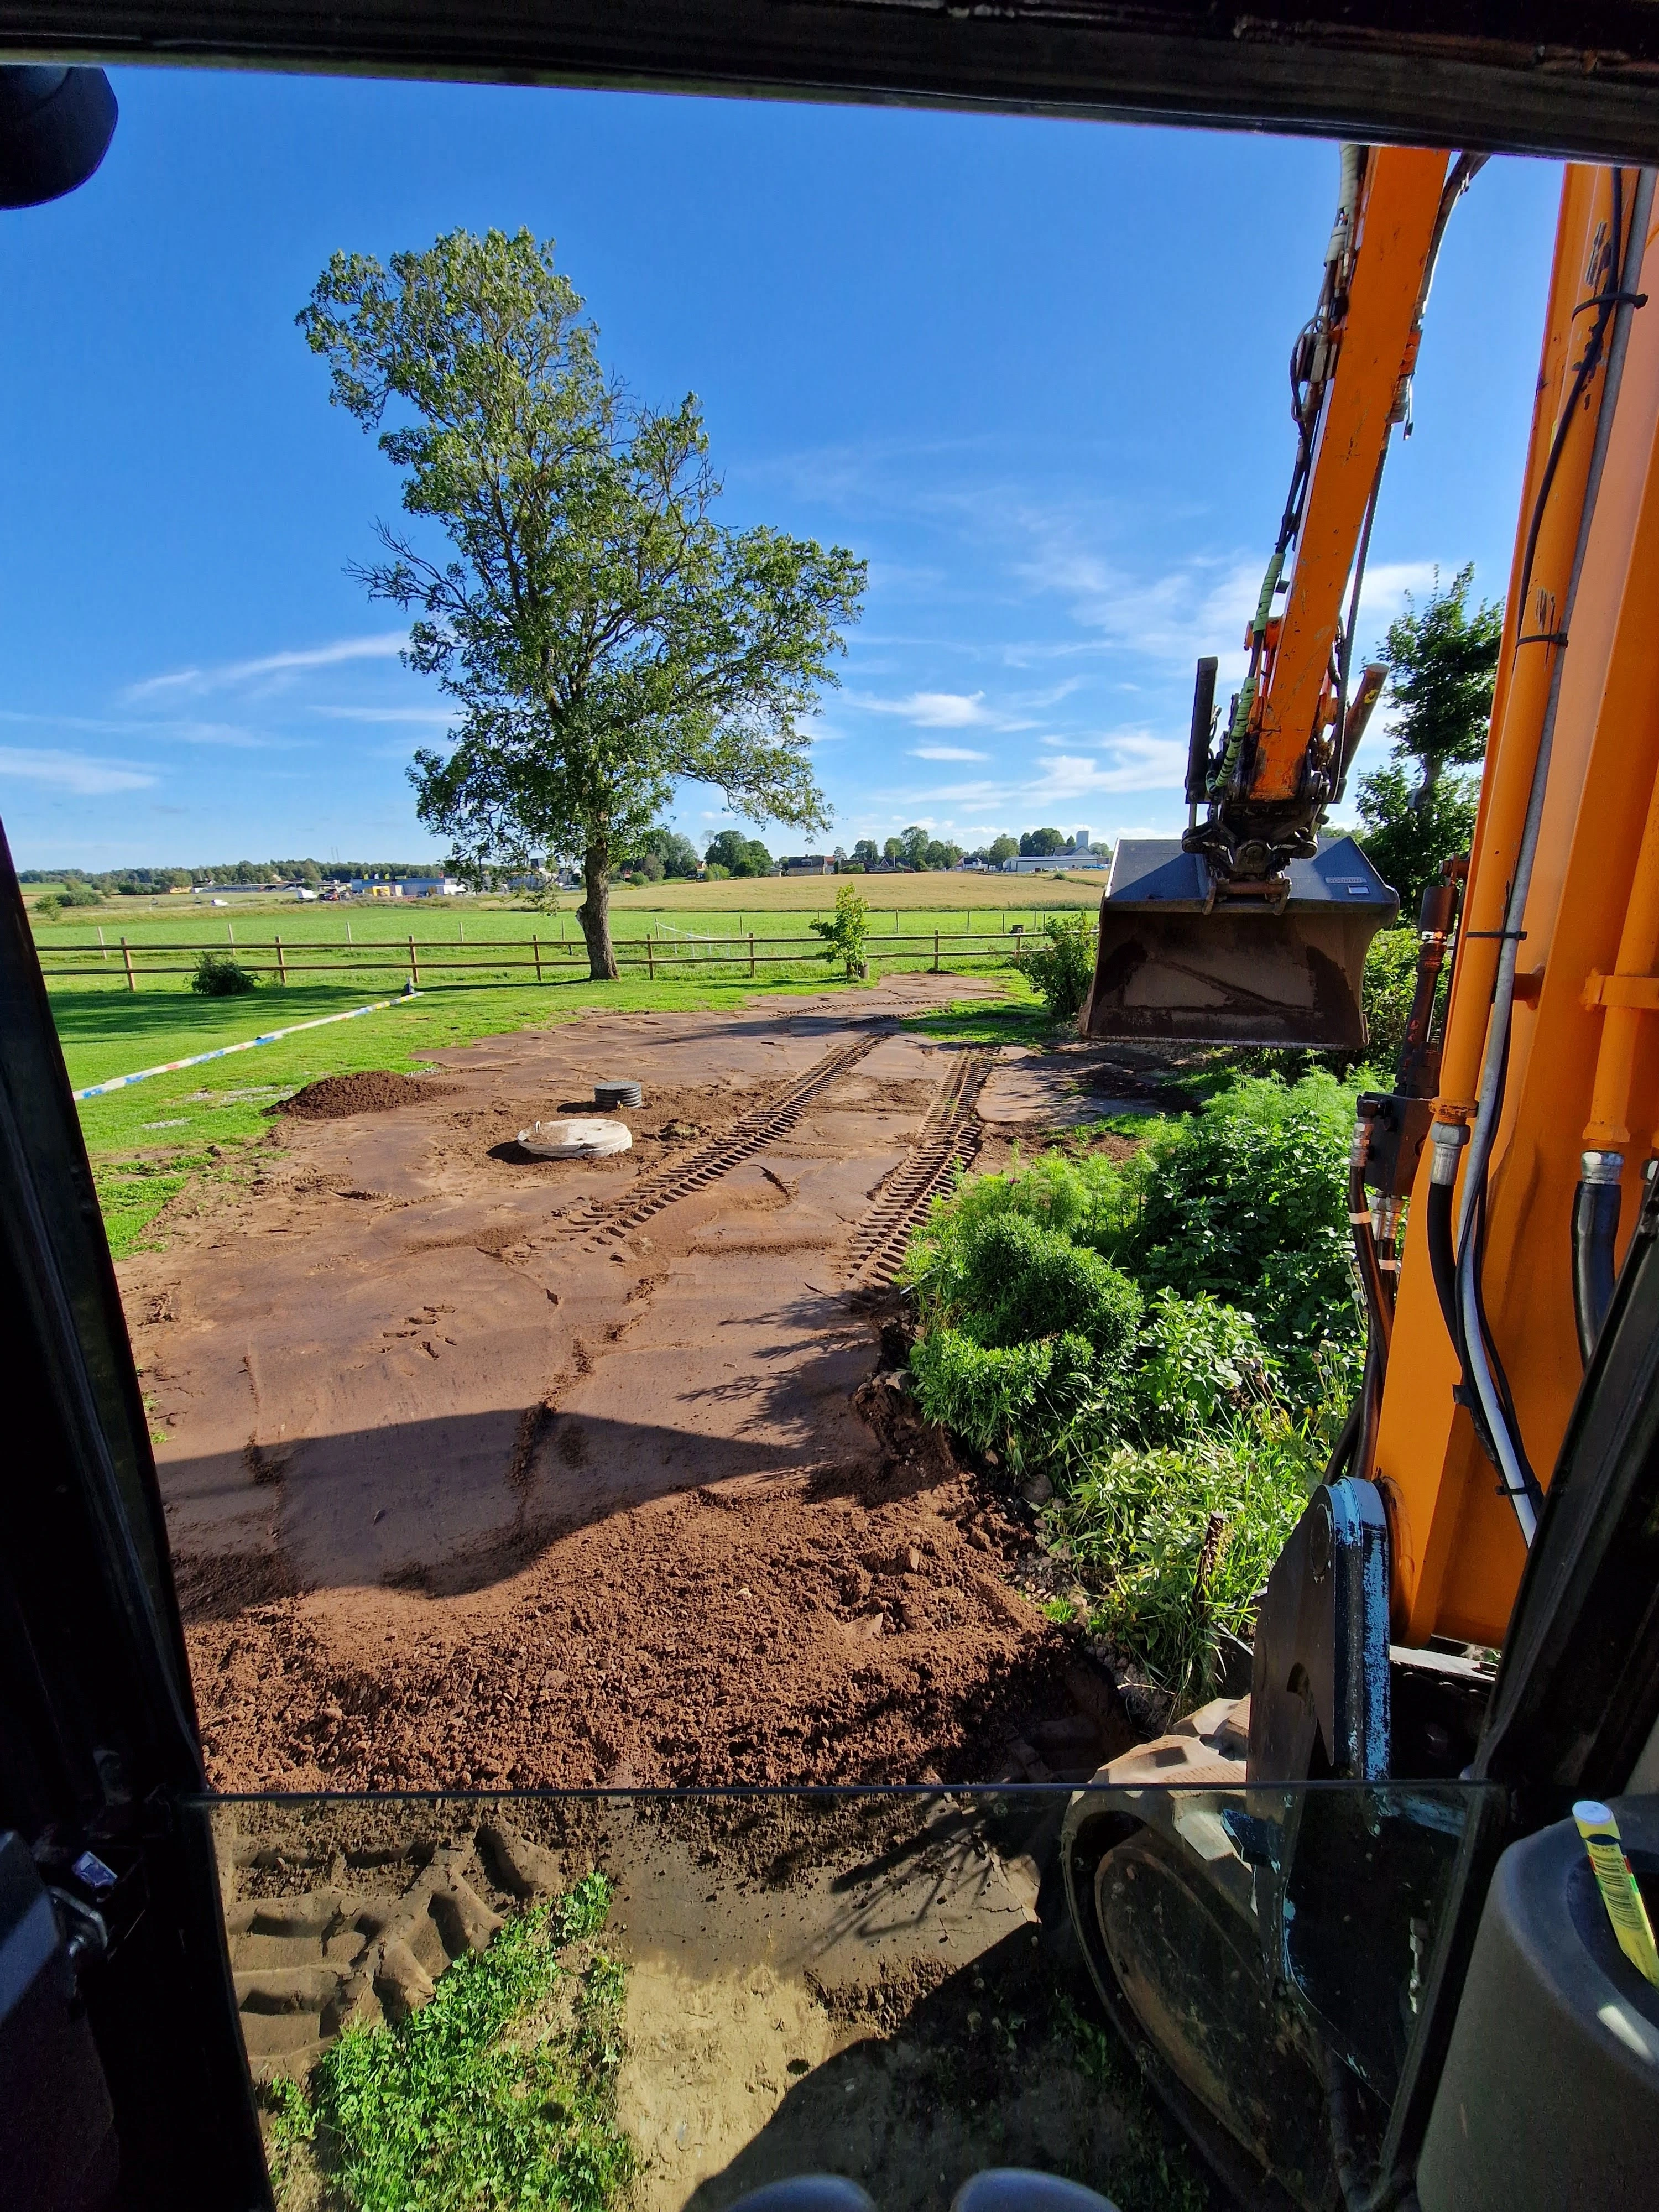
414, 964
282, 964
751, 953
126, 955
650, 958
936, 952
535, 947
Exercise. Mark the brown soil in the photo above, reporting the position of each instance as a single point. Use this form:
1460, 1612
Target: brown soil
466, 1491
884, 1988
371, 1091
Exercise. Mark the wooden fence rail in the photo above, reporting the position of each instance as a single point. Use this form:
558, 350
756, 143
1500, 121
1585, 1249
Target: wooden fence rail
416, 956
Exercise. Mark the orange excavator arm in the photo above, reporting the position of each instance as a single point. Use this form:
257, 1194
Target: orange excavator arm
1365, 341
1252, 929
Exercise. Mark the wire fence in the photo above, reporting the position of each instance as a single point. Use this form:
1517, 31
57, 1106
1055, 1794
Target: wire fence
425, 961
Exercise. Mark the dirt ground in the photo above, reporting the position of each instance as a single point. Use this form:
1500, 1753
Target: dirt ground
483, 1471
884, 1988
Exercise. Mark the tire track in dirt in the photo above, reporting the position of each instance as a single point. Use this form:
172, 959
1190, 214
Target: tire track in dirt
949, 1140
614, 1218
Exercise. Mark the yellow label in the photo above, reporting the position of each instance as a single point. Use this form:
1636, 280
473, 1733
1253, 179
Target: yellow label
1619, 1893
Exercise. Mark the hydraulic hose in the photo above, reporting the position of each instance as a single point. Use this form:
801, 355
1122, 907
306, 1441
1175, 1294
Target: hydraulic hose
1437, 1224
1595, 1243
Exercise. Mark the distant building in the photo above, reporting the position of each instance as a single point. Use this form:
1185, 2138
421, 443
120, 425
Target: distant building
384, 887
1053, 864
807, 864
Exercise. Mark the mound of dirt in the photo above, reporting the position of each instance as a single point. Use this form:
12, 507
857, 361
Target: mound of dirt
372, 1090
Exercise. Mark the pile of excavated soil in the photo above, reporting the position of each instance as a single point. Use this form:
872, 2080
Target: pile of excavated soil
371, 1090
844, 1628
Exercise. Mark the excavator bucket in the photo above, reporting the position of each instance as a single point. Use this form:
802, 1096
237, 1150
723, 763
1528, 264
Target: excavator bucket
1181, 961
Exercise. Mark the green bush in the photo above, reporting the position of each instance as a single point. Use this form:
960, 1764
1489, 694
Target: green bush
1135, 1525
1201, 1364
1059, 966
218, 977
1183, 1433
1385, 993
1021, 1281
1029, 1338
47, 907
845, 936
1088, 1199
1247, 1203
1043, 1404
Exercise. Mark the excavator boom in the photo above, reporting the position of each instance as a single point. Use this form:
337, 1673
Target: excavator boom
1253, 928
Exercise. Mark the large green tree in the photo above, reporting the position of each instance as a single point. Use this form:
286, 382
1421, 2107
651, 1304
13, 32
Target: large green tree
1443, 663
602, 635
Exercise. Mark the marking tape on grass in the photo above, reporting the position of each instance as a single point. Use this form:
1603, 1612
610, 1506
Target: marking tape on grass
168, 1066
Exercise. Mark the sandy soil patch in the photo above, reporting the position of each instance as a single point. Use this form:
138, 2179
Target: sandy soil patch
864, 1986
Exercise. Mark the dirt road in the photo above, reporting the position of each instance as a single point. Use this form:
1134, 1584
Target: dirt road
483, 1471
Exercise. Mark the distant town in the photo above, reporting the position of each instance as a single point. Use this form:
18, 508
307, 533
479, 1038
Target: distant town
660, 854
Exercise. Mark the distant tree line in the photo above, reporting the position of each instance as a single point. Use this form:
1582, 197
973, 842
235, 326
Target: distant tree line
80, 885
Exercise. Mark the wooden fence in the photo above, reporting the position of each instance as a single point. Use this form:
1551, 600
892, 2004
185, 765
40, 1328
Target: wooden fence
421, 959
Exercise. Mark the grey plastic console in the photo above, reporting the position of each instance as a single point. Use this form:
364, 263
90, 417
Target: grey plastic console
1550, 2094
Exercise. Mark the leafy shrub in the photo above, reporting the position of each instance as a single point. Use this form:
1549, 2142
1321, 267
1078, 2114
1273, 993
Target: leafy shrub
1247, 1203
48, 908
1041, 1404
1021, 1281
218, 977
1201, 1363
844, 937
1059, 966
1390, 979
81, 894
1136, 1523
1029, 1337
1086, 1200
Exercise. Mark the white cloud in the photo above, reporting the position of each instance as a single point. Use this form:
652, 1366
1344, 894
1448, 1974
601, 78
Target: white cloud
192, 681
946, 753
1382, 594
433, 715
78, 773
182, 732
936, 710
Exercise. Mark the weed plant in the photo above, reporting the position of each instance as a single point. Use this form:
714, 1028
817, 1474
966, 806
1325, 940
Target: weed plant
494, 2096
218, 977
1172, 1341
1060, 964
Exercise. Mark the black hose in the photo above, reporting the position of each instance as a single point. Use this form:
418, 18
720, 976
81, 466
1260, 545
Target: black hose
1595, 1206
1442, 1258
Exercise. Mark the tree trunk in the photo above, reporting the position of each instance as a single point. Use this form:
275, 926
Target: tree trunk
1424, 791
594, 913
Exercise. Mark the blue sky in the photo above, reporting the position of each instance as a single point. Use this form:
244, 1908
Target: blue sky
1034, 372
